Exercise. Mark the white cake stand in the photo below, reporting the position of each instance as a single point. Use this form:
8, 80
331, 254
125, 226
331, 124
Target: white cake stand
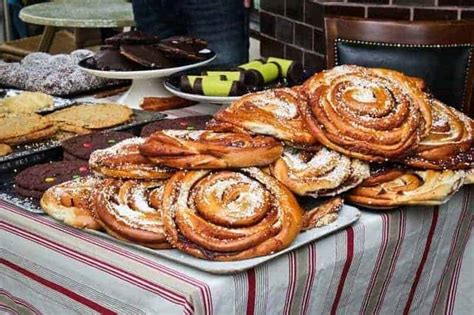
146, 83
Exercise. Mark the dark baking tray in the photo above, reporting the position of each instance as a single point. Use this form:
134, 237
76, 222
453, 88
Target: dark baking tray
28, 154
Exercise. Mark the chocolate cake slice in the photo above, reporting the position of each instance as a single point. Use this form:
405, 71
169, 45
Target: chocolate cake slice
184, 48
132, 38
147, 55
109, 58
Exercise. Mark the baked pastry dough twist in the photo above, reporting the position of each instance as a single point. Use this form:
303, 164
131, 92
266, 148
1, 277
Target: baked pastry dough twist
448, 142
131, 211
397, 187
202, 149
273, 112
69, 202
322, 215
229, 215
123, 160
371, 114
319, 173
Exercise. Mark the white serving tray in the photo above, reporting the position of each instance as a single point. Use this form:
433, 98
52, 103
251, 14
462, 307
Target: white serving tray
200, 98
347, 216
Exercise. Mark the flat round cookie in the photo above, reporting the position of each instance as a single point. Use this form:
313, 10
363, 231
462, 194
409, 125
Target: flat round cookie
14, 125
33, 181
93, 116
184, 123
27, 102
81, 147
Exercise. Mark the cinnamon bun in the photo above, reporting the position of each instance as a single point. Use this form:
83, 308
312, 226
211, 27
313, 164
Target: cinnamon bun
397, 187
320, 173
131, 211
69, 202
447, 146
123, 160
273, 112
203, 149
229, 215
322, 215
370, 114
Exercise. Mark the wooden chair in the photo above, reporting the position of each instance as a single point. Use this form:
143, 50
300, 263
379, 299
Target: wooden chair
440, 52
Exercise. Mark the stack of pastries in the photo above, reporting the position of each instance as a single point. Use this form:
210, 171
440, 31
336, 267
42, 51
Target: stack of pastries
373, 136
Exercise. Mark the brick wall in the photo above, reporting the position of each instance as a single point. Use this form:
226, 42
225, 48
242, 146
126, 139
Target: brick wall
294, 29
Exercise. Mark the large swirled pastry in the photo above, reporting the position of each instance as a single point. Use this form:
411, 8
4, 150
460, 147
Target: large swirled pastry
319, 173
69, 202
229, 215
123, 160
131, 211
447, 146
371, 114
273, 112
397, 187
203, 149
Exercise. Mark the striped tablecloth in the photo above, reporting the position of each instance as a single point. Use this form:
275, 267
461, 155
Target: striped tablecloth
406, 260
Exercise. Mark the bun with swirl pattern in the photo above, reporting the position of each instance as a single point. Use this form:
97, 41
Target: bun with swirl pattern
392, 188
184, 149
69, 202
448, 144
318, 173
370, 114
273, 112
131, 211
123, 160
229, 215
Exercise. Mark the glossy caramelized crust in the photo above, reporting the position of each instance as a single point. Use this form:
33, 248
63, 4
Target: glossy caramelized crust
69, 202
131, 211
229, 215
371, 114
124, 160
448, 143
273, 112
393, 188
201, 149
319, 173
322, 215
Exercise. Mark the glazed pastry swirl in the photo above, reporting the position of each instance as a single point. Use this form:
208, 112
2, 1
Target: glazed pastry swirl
69, 202
370, 114
274, 112
393, 188
123, 160
202, 149
319, 173
131, 210
229, 215
448, 142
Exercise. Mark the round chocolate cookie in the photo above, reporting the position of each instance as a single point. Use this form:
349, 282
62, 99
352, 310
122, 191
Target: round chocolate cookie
34, 180
184, 123
81, 147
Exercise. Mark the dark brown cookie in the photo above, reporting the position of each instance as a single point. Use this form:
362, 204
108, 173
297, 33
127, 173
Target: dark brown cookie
81, 147
185, 123
33, 181
132, 37
184, 48
147, 55
109, 58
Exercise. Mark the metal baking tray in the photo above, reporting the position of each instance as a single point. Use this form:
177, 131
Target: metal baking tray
58, 102
348, 215
28, 154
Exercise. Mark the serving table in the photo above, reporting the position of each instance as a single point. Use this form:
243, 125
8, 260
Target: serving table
391, 262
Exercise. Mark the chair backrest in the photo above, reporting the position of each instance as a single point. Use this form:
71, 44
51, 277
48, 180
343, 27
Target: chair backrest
439, 52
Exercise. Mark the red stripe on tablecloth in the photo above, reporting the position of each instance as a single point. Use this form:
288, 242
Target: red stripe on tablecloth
454, 281
291, 282
451, 253
17, 300
345, 270
202, 287
57, 287
393, 262
411, 295
378, 262
310, 279
252, 291
101, 265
